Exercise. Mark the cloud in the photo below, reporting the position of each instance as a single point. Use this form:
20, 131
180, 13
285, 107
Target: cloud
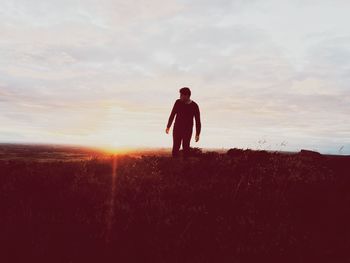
91, 71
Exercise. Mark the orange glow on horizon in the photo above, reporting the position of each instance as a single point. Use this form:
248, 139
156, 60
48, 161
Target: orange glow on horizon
116, 150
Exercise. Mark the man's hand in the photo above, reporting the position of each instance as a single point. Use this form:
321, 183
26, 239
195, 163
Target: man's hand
197, 138
167, 130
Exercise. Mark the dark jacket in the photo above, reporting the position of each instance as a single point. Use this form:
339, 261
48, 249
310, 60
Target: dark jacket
184, 116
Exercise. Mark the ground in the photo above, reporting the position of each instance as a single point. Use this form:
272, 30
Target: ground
240, 206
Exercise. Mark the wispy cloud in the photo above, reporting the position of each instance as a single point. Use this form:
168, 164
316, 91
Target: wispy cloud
108, 72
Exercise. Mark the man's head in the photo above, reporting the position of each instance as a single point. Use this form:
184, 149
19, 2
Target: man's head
185, 94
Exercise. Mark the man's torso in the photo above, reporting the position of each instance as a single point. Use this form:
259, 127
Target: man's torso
184, 116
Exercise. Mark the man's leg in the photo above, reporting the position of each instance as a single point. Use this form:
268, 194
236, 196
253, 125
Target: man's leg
176, 143
186, 143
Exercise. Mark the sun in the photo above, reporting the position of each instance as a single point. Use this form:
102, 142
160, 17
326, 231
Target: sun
114, 144
112, 147
116, 148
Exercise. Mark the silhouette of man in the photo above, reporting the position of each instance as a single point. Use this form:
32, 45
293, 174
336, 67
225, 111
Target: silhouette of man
184, 109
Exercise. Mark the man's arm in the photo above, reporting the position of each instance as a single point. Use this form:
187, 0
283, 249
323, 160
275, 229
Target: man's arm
172, 114
197, 116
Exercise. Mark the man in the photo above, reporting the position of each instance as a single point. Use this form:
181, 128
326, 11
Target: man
184, 109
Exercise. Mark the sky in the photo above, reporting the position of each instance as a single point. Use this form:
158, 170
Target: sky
266, 74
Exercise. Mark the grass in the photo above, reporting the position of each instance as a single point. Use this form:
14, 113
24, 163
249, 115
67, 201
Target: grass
246, 206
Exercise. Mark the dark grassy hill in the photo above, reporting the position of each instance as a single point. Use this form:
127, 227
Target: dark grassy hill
243, 206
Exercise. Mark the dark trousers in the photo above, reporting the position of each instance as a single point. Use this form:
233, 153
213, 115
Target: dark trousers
184, 136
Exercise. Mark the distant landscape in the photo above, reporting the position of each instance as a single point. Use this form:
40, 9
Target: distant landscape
42, 152
80, 204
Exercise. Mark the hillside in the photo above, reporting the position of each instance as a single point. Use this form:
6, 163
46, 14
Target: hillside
239, 206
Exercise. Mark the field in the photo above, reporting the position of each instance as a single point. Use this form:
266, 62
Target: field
70, 205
